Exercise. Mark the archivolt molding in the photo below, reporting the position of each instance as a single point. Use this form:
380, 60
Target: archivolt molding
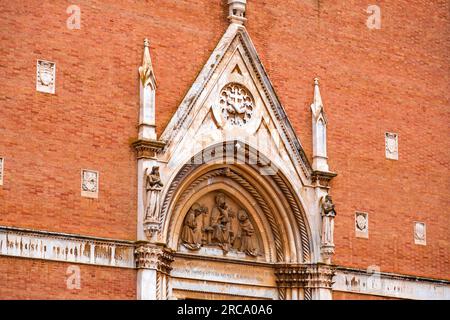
174, 194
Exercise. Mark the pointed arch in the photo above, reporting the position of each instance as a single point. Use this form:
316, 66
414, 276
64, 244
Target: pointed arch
279, 207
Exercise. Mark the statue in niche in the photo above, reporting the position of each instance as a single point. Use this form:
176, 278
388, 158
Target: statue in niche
153, 186
190, 237
328, 214
245, 239
220, 225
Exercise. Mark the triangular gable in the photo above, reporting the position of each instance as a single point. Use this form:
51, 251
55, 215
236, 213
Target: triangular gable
234, 72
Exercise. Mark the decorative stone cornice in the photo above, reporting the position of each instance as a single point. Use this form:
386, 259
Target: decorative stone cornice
305, 275
154, 257
147, 148
322, 178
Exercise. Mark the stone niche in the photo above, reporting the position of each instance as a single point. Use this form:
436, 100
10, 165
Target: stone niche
218, 225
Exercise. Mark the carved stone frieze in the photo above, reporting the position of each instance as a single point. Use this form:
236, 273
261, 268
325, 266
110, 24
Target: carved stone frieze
154, 257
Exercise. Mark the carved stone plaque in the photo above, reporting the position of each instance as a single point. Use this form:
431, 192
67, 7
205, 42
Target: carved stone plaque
420, 233
45, 76
362, 225
391, 144
89, 183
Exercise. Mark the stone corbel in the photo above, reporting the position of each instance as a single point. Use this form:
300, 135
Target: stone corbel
322, 178
147, 149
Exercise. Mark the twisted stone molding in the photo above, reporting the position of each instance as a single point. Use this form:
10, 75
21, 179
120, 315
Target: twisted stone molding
299, 214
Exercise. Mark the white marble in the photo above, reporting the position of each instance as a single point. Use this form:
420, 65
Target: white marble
388, 285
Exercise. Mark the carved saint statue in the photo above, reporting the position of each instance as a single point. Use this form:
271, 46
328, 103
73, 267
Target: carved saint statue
190, 237
245, 239
153, 186
328, 214
221, 216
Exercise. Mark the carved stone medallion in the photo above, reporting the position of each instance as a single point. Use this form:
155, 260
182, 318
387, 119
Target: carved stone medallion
236, 104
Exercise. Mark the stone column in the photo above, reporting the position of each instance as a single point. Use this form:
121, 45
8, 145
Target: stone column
305, 281
153, 264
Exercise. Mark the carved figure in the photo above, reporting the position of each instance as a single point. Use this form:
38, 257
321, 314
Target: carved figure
220, 223
153, 186
245, 239
189, 235
328, 214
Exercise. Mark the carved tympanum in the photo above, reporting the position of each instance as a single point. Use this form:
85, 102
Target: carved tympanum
236, 104
225, 225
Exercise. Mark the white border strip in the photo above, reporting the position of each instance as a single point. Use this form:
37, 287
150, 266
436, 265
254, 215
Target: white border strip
25, 243
390, 285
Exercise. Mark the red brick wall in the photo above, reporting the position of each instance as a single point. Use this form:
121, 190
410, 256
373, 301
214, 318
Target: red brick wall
372, 81
48, 280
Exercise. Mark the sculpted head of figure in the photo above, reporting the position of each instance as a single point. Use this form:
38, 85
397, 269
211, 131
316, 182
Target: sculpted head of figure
155, 170
242, 215
197, 208
220, 199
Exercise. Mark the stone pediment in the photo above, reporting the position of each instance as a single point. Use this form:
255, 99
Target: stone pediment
232, 99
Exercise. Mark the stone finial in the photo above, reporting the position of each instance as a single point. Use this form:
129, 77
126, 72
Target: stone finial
146, 70
237, 11
317, 105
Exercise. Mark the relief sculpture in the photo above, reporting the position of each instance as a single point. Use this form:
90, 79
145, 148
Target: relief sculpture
226, 225
190, 236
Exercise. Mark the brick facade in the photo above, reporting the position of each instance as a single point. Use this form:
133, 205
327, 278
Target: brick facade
372, 81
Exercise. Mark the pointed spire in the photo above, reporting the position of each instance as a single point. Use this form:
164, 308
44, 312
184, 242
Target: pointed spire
319, 131
146, 70
317, 105
237, 11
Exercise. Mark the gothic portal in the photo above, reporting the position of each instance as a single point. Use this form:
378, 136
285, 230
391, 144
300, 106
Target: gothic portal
229, 206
